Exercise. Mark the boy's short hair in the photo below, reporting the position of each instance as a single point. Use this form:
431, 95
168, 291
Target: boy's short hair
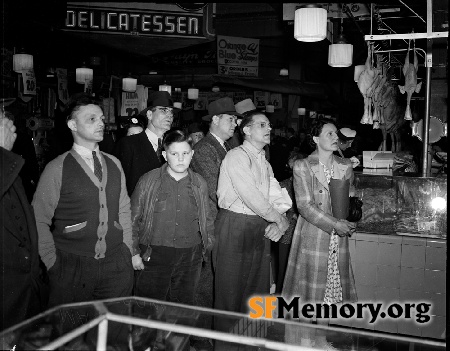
176, 136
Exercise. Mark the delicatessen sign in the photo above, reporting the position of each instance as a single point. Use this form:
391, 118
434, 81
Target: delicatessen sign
138, 22
237, 56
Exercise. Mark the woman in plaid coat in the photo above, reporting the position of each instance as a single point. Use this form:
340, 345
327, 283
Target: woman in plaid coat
319, 267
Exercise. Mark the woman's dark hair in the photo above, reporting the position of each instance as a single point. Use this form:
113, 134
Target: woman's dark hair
248, 119
176, 136
317, 125
76, 101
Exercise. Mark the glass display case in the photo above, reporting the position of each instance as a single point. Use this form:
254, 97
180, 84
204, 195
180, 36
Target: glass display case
402, 205
144, 324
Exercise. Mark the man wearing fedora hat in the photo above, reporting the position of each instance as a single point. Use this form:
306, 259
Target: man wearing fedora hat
141, 153
211, 150
209, 153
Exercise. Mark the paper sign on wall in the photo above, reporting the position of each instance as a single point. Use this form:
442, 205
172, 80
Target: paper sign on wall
275, 99
202, 102
108, 110
29, 82
237, 56
261, 99
63, 92
130, 104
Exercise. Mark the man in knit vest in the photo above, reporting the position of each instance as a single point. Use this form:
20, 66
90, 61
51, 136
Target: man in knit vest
83, 215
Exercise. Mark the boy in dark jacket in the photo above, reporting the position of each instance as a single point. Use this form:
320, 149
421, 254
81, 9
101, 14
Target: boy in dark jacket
172, 225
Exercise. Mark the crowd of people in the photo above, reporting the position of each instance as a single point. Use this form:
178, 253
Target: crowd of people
174, 211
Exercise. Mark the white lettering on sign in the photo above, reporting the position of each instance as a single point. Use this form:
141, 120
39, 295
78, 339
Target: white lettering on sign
134, 22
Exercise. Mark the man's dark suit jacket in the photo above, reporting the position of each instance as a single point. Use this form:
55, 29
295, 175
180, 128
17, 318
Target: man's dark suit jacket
20, 285
208, 156
137, 156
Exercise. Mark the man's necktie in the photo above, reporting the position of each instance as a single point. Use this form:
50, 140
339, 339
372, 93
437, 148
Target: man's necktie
97, 167
159, 150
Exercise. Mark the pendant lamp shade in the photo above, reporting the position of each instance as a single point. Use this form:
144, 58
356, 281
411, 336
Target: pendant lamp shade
84, 74
215, 89
310, 24
284, 72
340, 54
129, 84
270, 108
358, 70
301, 111
22, 62
166, 87
193, 93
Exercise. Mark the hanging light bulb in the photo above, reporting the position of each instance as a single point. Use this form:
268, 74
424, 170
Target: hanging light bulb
22, 61
84, 74
166, 87
193, 93
215, 89
129, 84
284, 72
340, 54
270, 108
310, 23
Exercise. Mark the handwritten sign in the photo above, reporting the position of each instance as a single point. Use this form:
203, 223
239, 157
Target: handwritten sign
130, 104
237, 56
63, 92
29, 82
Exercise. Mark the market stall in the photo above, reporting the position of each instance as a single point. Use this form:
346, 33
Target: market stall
399, 250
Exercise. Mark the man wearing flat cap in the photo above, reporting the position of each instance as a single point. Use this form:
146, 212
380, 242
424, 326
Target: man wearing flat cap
141, 153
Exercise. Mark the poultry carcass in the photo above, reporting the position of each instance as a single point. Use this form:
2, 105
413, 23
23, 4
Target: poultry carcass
365, 81
411, 86
379, 83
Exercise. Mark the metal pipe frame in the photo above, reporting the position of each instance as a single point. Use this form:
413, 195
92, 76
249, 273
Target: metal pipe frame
409, 8
393, 50
426, 163
408, 36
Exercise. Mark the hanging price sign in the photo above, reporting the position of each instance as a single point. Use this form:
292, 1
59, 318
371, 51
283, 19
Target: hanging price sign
29, 82
130, 104
63, 92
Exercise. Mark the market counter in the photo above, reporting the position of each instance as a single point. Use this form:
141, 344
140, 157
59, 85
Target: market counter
413, 206
400, 269
399, 251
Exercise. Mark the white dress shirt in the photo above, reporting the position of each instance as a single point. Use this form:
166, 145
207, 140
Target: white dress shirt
86, 155
153, 138
221, 142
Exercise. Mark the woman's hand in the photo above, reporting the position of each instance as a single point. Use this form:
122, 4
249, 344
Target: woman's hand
344, 227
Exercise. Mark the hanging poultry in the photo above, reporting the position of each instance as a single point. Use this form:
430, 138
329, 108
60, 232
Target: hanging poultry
365, 81
411, 86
